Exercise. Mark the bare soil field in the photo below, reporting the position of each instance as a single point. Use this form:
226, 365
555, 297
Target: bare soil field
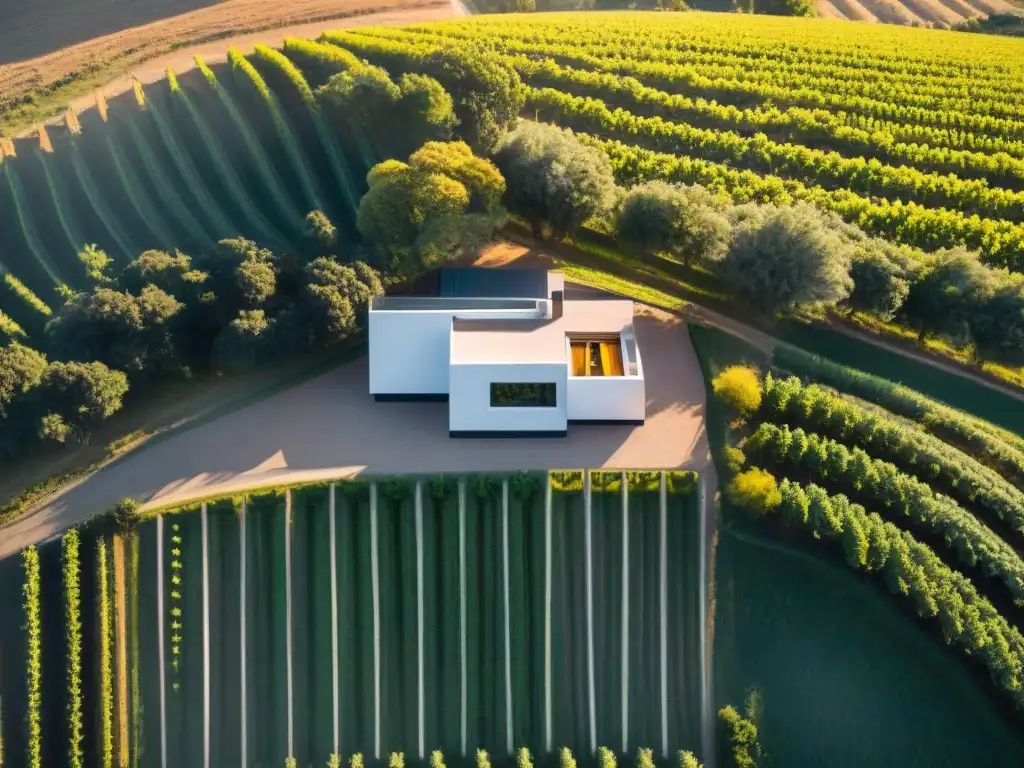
919, 12
58, 76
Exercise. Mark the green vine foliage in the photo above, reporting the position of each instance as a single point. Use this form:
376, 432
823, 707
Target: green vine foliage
909, 568
881, 483
942, 466
106, 655
34, 665
73, 614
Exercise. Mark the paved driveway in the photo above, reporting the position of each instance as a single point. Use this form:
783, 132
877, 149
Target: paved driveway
329, 427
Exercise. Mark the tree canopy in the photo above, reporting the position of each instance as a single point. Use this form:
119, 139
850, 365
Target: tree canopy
684, 222
789, 258
441, 204
554, 180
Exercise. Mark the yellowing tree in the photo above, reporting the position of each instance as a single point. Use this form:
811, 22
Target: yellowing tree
739, 387
755, 491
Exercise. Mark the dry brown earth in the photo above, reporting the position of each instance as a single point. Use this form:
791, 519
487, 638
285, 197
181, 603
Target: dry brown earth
256, 21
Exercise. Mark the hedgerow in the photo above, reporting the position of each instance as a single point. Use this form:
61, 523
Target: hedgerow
104, 621
998, 448
34, 661
926, 456
882, 484
73, 617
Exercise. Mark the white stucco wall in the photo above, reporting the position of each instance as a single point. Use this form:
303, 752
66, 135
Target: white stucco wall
409, 352
606, 398
469, 405
410, 349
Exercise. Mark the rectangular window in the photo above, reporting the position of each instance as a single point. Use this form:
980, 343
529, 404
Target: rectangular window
525, 395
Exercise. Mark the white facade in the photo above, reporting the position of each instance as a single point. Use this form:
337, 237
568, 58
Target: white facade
469, 403
456, 348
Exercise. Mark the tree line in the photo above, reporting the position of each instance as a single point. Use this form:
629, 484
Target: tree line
169, 315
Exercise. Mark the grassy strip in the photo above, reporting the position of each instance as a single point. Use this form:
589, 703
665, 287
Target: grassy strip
911, 569
34, 667
73, 607
638, 291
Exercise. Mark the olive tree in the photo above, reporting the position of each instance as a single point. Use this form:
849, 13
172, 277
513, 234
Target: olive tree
394, 118
997, 322
442, 204
686, 223
787, 259
880, 272
76, 396
942, 297
553, 179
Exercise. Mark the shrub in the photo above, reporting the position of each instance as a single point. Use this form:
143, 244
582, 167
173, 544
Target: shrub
734, 459
605, 758
565, 758
125, 516
334, 761
396, 760
755, 491
437, 759
523, 758
740, 737
739, 387
645, 758
688, 760
482, 759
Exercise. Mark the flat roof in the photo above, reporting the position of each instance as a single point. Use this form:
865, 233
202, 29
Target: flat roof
422, 303
537, 341
494, 283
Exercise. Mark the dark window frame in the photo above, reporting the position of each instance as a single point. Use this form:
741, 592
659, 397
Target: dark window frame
523, 394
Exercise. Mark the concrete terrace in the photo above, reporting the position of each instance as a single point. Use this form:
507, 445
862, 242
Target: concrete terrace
330, 427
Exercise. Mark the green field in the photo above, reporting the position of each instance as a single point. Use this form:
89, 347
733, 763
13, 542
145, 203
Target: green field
395, 616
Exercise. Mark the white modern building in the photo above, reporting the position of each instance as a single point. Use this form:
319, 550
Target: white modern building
508, 353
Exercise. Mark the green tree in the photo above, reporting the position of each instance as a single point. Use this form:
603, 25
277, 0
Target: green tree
173, 274
321, 231
395, 118
787, 259
77, 396
488, 94
21, 370
879, 271
784, 7
996, 321
685, 223
337, 298
424, 213
96, 263
943, 295
554, 180
739, 738
245, 342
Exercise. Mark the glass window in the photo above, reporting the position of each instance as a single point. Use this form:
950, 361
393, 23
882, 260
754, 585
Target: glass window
524, 395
